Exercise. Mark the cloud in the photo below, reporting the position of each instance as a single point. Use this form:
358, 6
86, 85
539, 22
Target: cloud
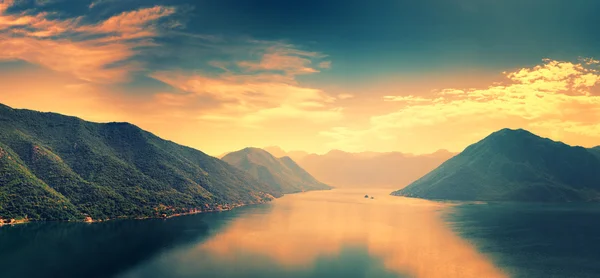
132, 24
99, 52
96, 3
45, 2
345, 96
589, 61
86, 62
345, 138
325, 64
411, 99
253, 92
217, 84
537, 94
283, 58
253, 100
550, 96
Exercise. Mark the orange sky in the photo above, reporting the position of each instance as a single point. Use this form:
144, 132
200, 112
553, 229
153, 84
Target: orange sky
263, 94
553, 99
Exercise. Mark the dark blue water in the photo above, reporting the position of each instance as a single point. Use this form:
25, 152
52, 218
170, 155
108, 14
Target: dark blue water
319, 234
534, 240
98, 249
175, 247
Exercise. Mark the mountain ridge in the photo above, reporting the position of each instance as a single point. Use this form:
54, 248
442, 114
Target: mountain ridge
109, 170
282, 173
513, 165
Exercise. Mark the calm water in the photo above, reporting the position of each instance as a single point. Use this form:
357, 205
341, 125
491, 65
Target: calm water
534, 240
334, 233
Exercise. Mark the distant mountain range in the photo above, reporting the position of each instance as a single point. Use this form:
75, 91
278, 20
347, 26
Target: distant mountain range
514, 165
279, 152
365, 169
55, 167
280, 173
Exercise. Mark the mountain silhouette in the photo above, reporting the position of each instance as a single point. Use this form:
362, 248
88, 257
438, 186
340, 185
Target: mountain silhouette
280, 173
514, 165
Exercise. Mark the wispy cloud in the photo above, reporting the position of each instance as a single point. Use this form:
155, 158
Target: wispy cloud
345, 96
284, 58
212, 82
411, 99
260, 89
132, 24
589, 61
96, 3
325, 64
98, 52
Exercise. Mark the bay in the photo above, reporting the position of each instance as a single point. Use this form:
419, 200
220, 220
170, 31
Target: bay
336, 233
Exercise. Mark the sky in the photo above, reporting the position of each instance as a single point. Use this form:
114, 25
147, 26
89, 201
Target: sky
382, 75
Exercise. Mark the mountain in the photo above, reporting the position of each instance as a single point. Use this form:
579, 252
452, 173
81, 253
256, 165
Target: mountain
392, 169
221, 155
55, 167
279, 152
275, 151
280, 173
514, 165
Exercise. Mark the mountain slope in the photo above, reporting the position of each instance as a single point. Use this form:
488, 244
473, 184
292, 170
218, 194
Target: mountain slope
275, 151
281, 173
513, 165
296, 156
108, 171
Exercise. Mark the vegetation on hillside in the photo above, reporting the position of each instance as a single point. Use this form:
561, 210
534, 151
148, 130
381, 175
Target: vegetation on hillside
514, 165
55, 167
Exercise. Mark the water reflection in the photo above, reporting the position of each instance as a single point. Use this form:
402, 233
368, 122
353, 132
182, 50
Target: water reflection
89, 250
534, 240
297, 235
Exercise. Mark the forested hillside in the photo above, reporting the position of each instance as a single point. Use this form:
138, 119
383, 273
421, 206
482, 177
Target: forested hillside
55, 167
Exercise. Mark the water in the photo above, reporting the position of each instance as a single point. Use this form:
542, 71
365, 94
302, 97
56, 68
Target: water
335, 233
534, 240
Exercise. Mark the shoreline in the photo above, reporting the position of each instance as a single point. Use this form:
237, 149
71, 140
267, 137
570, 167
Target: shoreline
90, 221
15, 222
219, 208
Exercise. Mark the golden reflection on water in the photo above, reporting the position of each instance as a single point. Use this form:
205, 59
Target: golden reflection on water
406, 234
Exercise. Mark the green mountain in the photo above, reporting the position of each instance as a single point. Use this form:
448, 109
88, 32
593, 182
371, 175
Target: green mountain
55, 167
281, 173
514, 165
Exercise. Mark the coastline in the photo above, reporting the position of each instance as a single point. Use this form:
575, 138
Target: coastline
207, 209
88, 219
219, 208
